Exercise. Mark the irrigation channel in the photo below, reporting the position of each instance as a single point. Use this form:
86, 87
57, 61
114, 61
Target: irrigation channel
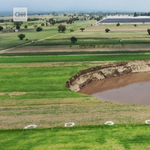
132, 88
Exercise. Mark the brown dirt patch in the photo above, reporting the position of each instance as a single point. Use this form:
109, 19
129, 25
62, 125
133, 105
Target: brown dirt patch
50, 64
114, 29
2, 93
48, 49
76, 49
46, 102
12, 93
17, 93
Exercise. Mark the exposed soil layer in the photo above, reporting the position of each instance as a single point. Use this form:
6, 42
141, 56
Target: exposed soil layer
84, 77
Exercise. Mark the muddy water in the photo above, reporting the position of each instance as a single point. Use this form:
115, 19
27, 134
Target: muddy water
132, 88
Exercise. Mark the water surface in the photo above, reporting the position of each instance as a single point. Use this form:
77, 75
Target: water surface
131, 88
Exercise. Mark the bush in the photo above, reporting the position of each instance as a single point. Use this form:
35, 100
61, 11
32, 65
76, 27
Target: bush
17, 27
42, 24
39, 29
25, 26
1, 28
21, 36
73, 39
148, 30
61, 28
82, 29
107, 30
118, 24
71, 30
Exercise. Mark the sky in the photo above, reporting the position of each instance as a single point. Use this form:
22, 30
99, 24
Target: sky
81, 5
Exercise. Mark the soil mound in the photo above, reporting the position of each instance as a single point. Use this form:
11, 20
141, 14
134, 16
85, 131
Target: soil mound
78, 81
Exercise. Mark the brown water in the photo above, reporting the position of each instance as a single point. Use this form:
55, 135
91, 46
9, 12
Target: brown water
132, 88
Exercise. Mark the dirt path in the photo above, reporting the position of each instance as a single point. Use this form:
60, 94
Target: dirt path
6, 50
35, 49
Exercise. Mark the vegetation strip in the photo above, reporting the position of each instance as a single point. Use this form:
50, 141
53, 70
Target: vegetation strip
124, 136
31, 59
75, 53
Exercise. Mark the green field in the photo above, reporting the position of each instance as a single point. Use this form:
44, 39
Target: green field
92, 36
32, 88
11, 39
40, 91
73, 58
125, 137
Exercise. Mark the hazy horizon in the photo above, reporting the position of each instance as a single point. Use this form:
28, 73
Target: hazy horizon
71, 5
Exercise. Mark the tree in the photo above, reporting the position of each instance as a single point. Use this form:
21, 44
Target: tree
21, 36
135, 25
107, 30
73, 39
118, 24
38, 29
82, 29
52, 21
148, 30
135, 14
18, 25
61, 28
71, 30
70, 21
42, 24
1, 28
25, 26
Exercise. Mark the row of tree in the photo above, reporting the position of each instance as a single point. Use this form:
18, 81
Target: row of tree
141, 14
68, 21
62, 28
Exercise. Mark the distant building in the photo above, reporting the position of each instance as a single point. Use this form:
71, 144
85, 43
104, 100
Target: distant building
125, 19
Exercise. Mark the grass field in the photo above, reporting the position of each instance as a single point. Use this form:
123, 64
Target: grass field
76, 53
11, 39
32, 89
37, 94
124, 137
73, 58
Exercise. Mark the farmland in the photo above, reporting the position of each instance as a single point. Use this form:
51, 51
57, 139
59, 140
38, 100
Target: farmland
33, 91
